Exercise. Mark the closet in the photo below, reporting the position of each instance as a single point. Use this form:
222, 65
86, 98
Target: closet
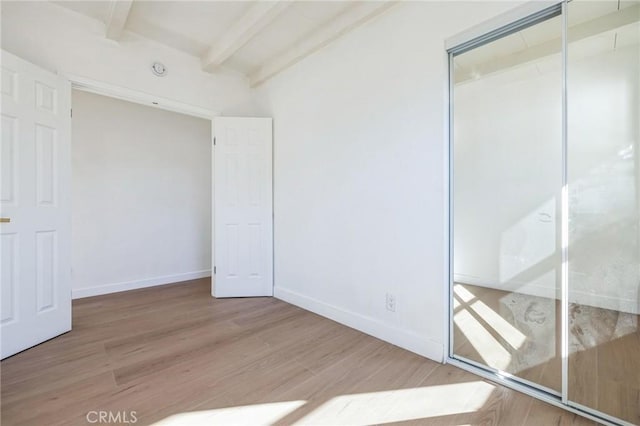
544, 205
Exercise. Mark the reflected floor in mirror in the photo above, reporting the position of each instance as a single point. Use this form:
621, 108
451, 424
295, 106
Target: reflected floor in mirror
520, 334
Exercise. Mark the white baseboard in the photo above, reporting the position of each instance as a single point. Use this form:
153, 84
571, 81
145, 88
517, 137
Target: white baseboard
405, 339
79, 293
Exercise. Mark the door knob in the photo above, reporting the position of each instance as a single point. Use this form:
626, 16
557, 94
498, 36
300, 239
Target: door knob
5, 219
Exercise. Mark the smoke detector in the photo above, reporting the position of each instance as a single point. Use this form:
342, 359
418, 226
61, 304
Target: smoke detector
159, 69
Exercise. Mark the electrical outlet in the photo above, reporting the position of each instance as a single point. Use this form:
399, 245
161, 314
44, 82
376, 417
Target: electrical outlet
391, 302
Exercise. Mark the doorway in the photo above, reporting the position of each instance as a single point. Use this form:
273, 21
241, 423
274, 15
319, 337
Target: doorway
142, 195
226, 188
36, 212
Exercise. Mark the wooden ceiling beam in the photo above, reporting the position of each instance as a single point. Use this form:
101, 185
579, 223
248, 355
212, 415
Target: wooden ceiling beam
354, 16
117, 19
248, 26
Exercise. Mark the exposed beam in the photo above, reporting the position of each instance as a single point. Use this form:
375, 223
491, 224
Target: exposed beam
355, 15
247, 27
118, 14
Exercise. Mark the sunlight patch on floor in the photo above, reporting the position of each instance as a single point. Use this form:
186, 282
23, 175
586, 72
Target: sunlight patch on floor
255, 414
514, 337
401, 405
487, 346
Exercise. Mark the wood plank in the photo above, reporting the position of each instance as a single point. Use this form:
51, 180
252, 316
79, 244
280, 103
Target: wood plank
247, 27
117, 19
357, 14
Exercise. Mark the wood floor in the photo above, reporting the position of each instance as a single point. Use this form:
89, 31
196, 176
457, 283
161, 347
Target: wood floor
174, 355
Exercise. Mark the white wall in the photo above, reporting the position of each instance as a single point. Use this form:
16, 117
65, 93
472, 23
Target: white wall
141, 196
64, 41
360, 174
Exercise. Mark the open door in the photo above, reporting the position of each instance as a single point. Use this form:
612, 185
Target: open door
35, 230
243, 207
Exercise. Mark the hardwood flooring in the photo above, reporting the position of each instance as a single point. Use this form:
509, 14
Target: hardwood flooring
176, 356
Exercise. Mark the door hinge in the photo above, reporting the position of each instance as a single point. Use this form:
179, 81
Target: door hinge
214, 141
214, 270
71, 112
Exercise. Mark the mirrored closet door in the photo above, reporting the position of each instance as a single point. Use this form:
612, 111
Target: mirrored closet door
545, 201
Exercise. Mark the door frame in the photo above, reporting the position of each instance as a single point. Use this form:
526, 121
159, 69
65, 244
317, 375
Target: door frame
130, 95
126, 94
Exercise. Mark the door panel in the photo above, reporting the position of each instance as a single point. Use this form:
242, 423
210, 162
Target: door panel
243, 238
604, 191
507, 181
35, 198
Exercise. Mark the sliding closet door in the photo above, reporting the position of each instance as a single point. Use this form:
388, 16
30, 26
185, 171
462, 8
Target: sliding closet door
507, 182
604, 199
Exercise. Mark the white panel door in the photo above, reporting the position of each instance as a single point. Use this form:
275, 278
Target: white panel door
242, 206
35, 206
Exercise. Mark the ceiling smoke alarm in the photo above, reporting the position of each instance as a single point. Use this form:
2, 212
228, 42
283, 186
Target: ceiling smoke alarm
159, 69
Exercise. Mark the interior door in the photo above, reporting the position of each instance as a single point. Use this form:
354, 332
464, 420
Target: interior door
243, 207
35, 206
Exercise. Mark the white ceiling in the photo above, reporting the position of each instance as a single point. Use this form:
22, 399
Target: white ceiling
256, 38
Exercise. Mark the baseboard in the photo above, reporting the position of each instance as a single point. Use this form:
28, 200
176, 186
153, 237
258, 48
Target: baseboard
405, 339
79, 293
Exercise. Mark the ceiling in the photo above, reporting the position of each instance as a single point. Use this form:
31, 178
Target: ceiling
256, 38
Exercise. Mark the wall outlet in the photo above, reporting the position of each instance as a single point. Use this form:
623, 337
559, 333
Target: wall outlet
391, 302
